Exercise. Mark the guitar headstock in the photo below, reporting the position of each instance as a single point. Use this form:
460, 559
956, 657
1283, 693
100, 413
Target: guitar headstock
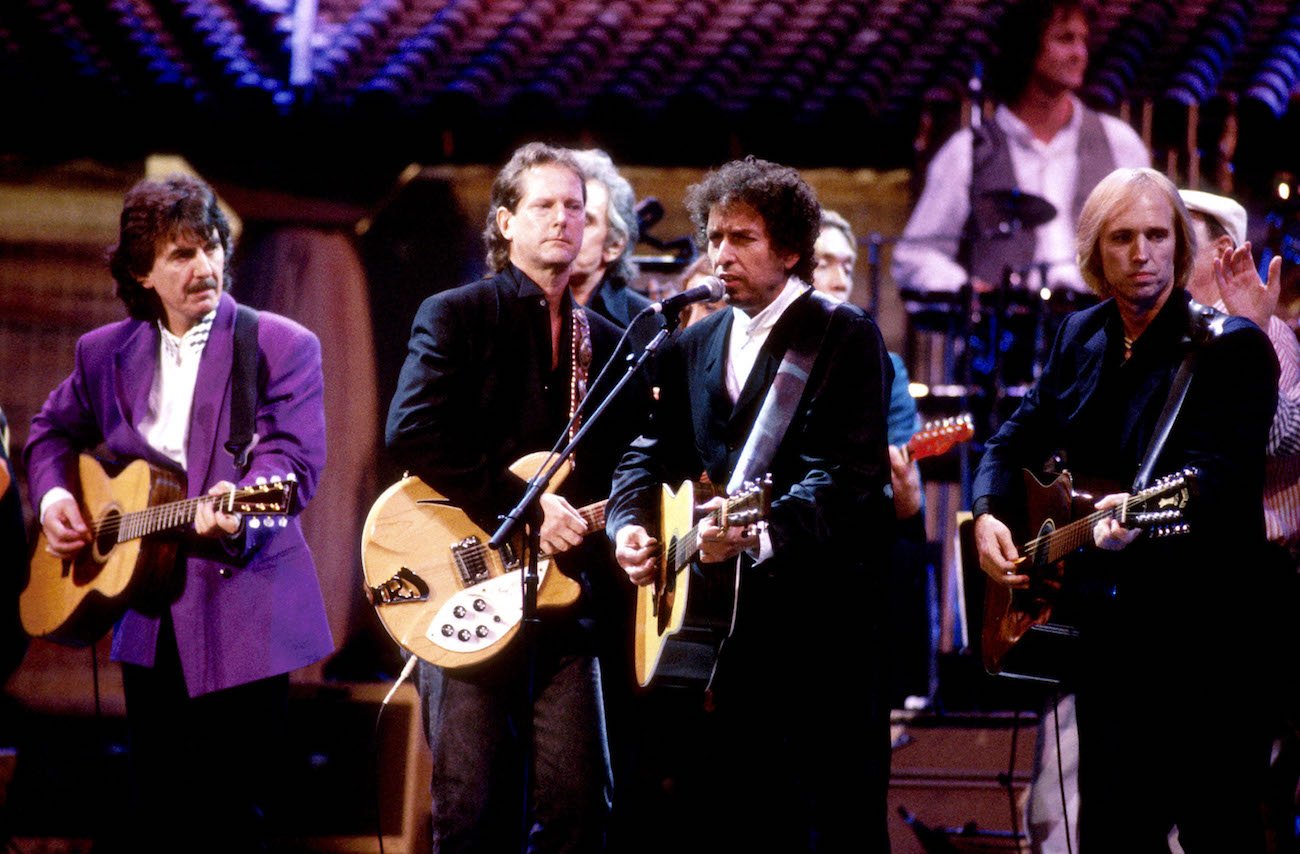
1159, 509
271, 497
937, 437
749, 504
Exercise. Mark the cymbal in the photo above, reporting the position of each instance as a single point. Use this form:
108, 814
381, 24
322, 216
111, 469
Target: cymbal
1006, 210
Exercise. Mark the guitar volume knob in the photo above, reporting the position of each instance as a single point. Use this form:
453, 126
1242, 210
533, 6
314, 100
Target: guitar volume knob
480, 605
459, 611
463, 636
481, 631
447, 630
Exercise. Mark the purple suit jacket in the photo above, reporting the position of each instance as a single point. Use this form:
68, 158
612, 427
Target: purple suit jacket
251, 607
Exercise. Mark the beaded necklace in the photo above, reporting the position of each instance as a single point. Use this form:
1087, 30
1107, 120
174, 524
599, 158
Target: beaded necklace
580, 362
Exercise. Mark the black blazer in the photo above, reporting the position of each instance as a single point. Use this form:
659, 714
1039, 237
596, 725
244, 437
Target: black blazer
468, 401
831, 471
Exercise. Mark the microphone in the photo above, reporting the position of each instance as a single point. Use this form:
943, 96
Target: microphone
711, 290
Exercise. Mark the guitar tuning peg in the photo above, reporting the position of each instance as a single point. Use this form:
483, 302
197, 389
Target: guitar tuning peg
275, 478
259, 480
291, 476
282, 522
254, 523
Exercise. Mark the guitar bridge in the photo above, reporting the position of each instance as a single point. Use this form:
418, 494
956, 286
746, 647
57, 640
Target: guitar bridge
470, 560
404, 586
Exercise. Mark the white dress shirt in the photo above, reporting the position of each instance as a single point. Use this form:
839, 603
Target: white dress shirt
165, 425
926, 257
748, 334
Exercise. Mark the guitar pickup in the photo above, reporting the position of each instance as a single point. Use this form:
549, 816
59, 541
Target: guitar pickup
404, 586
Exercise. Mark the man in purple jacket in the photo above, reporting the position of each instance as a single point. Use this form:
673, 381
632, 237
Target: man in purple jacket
206, 677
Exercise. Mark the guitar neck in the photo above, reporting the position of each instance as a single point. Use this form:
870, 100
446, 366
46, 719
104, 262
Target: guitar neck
689, 543
156, 519
594, 516
1075, 535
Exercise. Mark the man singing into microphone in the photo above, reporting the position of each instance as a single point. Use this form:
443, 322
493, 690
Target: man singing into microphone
796, 743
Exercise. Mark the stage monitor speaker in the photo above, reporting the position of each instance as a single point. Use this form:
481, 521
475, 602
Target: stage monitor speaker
343, 772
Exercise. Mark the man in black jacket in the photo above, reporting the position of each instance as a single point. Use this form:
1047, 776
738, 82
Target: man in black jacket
1167, 736
796, 753
495, 370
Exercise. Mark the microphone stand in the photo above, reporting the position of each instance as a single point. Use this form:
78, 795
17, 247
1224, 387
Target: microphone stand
528, 513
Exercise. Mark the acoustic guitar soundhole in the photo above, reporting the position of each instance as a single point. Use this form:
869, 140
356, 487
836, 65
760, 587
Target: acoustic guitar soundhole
105, 540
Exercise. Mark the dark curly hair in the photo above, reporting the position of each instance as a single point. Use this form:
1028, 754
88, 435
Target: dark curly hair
1020, 34
154, 211
508, 189
779, 194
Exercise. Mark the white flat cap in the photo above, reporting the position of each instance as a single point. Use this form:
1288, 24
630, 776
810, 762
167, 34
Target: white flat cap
1228, 213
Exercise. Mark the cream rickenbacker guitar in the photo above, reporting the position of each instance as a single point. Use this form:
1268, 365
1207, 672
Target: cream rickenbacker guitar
131, 559
681, 621
437, 587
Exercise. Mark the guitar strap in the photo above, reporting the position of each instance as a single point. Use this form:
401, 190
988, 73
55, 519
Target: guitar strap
243, 388
1206, 325
782, 396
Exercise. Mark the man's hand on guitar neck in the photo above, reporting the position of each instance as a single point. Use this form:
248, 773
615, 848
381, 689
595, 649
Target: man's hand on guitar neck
211, 522
638, 553
717, 543
905, 477
65, 530
997, 550
1109, 534
562, 526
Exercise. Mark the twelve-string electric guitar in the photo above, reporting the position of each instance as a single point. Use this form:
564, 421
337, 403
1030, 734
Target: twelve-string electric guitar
1016, 621
134, 518
438, 589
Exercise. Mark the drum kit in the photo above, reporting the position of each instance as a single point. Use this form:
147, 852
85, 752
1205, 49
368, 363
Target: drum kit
980, 348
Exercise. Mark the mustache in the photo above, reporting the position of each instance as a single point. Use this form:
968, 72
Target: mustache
201, 285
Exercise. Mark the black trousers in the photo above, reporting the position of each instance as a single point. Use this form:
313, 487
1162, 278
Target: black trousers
204, 771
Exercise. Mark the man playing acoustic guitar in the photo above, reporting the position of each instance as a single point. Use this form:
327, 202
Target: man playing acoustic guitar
206, 674
796, 748
1168, 735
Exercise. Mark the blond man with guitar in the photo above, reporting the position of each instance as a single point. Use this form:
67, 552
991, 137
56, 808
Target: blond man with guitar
1169, 714
234, 605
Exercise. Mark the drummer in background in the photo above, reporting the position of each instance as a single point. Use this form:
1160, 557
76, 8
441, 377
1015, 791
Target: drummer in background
985, 188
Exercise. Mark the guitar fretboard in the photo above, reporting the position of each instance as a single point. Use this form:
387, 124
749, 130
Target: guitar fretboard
172, 515
472, 559
1055, 545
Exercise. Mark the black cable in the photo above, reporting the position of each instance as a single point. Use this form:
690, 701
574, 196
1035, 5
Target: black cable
1060, 772
1011, 777
374, 766
375, 744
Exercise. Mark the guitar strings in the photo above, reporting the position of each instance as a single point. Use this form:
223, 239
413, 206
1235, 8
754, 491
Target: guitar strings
161, 516
1079, 531
592, 514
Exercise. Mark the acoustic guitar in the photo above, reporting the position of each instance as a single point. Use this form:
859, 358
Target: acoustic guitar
1019, 629
131, 560
678, 631
437, 587
683, 619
